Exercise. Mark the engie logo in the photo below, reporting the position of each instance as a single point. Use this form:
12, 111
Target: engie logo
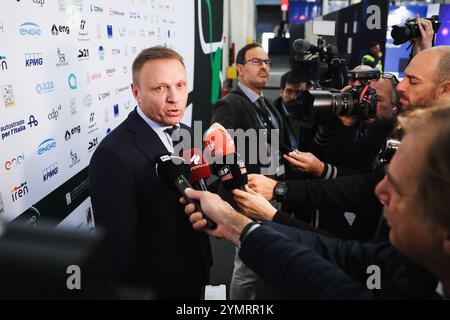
46, 145
15, 162
34, 59
30, 29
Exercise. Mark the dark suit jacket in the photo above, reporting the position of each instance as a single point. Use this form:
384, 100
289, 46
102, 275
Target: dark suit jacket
300, 264
150, 240
236, 111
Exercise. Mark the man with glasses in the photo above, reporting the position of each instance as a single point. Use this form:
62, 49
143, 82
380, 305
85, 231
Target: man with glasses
246, 108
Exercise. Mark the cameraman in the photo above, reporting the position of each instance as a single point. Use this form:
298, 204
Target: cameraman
421, 88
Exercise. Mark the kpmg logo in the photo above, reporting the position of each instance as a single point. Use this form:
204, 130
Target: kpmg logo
72, 81
34, 59
56, 30
19, 191
109, 31
32, 122
50, 172
46, 146
8, 96
15, 162
54, 114
62, 61
71, 132
101, 53
75, 159
96, 9
83, 54
3, 64
30, 29
45, 87
39, 2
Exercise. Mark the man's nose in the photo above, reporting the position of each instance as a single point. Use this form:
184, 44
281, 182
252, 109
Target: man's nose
382, 191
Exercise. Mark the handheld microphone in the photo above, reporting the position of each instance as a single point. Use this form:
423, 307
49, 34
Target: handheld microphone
232, 172
229, 168
176, 175
218, 140
199, 167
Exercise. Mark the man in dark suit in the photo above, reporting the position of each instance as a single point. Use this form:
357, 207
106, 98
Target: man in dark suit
150, 241
246, 108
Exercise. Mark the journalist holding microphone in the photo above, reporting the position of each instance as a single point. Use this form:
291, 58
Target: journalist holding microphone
306, 265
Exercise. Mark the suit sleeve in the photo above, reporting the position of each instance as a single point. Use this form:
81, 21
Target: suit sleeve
115, 210
224, 114
295, 270
343, 193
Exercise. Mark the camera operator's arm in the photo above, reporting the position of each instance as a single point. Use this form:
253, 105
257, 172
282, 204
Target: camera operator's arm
425, 40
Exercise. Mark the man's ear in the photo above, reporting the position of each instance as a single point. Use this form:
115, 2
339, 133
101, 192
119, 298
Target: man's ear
135, 91
444, 88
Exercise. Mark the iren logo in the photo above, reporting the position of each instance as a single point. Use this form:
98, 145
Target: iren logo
19, 191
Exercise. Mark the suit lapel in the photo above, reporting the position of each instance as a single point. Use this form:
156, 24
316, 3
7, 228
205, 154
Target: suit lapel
249, 106
146, 138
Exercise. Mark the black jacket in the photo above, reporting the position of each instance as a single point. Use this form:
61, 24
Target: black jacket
305, 265
150, 239
236, 111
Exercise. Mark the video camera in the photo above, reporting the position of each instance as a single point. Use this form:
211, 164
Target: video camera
327, 70
404, 32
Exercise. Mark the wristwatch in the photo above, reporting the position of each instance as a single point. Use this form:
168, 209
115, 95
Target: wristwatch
280, 191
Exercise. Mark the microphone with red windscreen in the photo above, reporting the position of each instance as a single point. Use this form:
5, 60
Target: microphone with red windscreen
200, 170
228, 166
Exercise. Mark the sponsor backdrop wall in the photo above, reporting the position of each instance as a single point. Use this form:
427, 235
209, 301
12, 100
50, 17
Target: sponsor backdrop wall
65, 72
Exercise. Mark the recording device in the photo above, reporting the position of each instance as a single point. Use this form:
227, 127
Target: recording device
359, 102
325, 67
173, 171
404, 32
200, 170
389, 150
227, 164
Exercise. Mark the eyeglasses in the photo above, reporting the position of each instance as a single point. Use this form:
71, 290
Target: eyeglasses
259, 62
390, 76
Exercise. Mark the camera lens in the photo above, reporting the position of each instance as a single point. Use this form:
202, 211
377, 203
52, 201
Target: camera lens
402, 33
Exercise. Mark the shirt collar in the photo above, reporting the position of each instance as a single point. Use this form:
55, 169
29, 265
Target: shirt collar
252, 95
152, 123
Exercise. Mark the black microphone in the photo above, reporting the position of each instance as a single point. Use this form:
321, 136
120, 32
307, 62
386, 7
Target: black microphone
231, 172
302, 46
174, 171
